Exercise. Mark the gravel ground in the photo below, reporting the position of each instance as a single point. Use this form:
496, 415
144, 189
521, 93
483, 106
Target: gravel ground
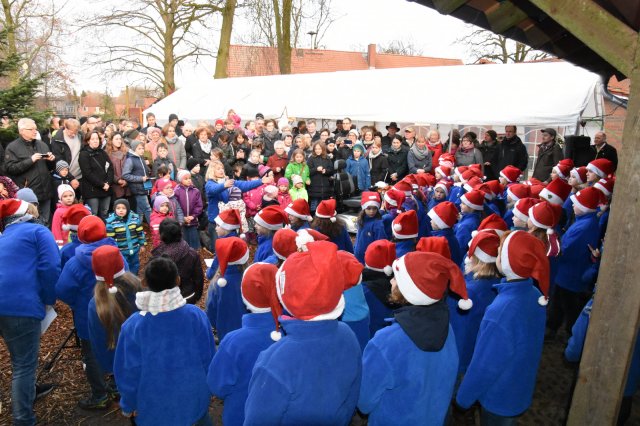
551, 399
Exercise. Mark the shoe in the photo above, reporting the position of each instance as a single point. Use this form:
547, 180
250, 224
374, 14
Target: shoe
94, 404
43, 390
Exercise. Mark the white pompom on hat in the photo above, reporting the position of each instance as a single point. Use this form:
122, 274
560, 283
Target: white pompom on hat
327, 209
380, 255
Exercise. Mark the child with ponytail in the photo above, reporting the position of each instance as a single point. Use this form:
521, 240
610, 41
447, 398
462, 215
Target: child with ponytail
327, 223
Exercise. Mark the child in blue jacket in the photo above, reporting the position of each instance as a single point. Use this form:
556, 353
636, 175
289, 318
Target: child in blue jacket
267, 222
570, 290
376, 283
224, 306
70, 220
328, 224
409, 368
471, 207
231, 367
163, 354
75, 288
125, 227
405, 232
312, 375
356, 310
443, 218
503, 369
358, 167
370, 224
114, 297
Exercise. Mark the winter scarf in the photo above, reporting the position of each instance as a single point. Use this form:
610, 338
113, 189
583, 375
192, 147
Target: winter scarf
371, 156
420, 154
205, 147
164, 301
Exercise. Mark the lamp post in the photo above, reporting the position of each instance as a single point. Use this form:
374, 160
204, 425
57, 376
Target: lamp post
311, 34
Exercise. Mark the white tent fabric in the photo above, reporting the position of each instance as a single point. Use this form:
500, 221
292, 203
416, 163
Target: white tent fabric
552, 94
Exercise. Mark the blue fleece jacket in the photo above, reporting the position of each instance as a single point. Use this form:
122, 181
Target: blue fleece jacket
360, 170
457, 252
98, 337
161, 366
372, 229
424, 223
387, 221
603, 222
69, 250
311, 376
264, 249
378, 311
342, 240
508, 218
468, 223
304, 225
405, 246
216, 192
76, 283
503, 369
224, 304
215, 265
404, 385
455, 193
30, 262
433, 202
573, 352
575, 257
231, 367
466, 324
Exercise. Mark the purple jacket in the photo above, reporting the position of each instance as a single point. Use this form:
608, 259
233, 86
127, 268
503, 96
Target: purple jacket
190, 202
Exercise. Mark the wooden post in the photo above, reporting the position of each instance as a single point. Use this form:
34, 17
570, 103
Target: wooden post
616, 309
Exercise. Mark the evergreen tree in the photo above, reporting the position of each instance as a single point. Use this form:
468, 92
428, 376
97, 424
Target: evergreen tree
18, 100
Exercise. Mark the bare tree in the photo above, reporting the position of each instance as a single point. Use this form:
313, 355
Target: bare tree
222, 59
401, 47
484, 44
159, 34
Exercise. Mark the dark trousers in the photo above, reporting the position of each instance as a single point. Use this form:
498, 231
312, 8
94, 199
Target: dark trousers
565, 306
94, 373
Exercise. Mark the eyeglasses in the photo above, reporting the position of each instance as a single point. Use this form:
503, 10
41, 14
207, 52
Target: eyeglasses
31, 129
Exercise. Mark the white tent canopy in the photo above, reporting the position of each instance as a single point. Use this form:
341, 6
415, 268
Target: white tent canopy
548, 94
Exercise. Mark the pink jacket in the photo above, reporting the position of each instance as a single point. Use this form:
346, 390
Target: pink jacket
156, 219
284, 199
253, 200
61, 236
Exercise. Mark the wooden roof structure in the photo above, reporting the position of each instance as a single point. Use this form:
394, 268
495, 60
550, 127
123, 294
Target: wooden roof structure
601, 36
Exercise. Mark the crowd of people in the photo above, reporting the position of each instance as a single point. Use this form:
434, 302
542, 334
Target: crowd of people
460, 269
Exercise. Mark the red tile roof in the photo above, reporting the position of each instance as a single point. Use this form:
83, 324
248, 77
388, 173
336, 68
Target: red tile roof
247, 61
620, 88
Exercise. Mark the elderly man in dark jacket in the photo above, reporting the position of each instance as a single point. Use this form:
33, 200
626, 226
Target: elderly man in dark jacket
549, 154
28, 163
601, 149
512, 151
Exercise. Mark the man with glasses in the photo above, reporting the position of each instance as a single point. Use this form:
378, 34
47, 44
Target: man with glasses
29, 163
66, 146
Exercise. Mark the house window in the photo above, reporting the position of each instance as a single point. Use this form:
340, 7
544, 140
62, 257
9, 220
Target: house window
97, 110
85, 109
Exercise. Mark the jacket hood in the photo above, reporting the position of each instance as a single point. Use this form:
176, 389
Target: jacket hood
84, 251
426, 326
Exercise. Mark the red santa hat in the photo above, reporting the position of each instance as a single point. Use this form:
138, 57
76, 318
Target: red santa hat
484, 246
444, 171
13, 207
444, 214
380, 255
307, 286
230, 251
545, 215
284, 243
567, 162
91, 229
107, 264
405, 225
327, 209
467, 175
423, 279
258, 290
601, 166
511, 173
563, 170
518, 191
438, 245
300, 209
471, 183
579, 174
447, 159
73, 215
494, 223
370, 199
606, 185
477, 168
587, 199
351, 269
306, 236
522, 206
495, 186
411, 179
473, 199
524, 256
425, 179
556, 192
458, 171
229, 220
445, 185
404, 186
394, 198
484, 188
536, 190
271, 217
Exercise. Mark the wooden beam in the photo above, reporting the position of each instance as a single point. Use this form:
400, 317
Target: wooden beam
616, 308
447, 6
609, 37
504, 16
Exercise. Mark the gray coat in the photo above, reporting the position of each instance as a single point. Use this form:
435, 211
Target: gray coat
472, 157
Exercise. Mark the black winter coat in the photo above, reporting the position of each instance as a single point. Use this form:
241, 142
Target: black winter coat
24, 172
512, 152
490, 155
608, 152
321, 183
379, 168
398, 163
59, 147
96, 171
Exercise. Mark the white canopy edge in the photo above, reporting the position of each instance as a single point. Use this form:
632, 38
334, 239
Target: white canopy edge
547, 94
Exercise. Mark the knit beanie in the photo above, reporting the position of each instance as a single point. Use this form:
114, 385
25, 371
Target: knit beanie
125, 203
27, 194
64, 188
183, 174
283, 181
61, 165
134, 144
191, 163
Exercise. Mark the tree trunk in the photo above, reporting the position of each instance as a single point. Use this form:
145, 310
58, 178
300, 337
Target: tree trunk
225, 39
12, 47
283, 34
169, 64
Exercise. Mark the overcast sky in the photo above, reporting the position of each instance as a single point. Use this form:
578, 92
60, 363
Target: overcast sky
360, 22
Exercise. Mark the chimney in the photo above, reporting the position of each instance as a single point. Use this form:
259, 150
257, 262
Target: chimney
371, 56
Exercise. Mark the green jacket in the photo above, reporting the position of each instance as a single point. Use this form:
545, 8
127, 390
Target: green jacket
297, 169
